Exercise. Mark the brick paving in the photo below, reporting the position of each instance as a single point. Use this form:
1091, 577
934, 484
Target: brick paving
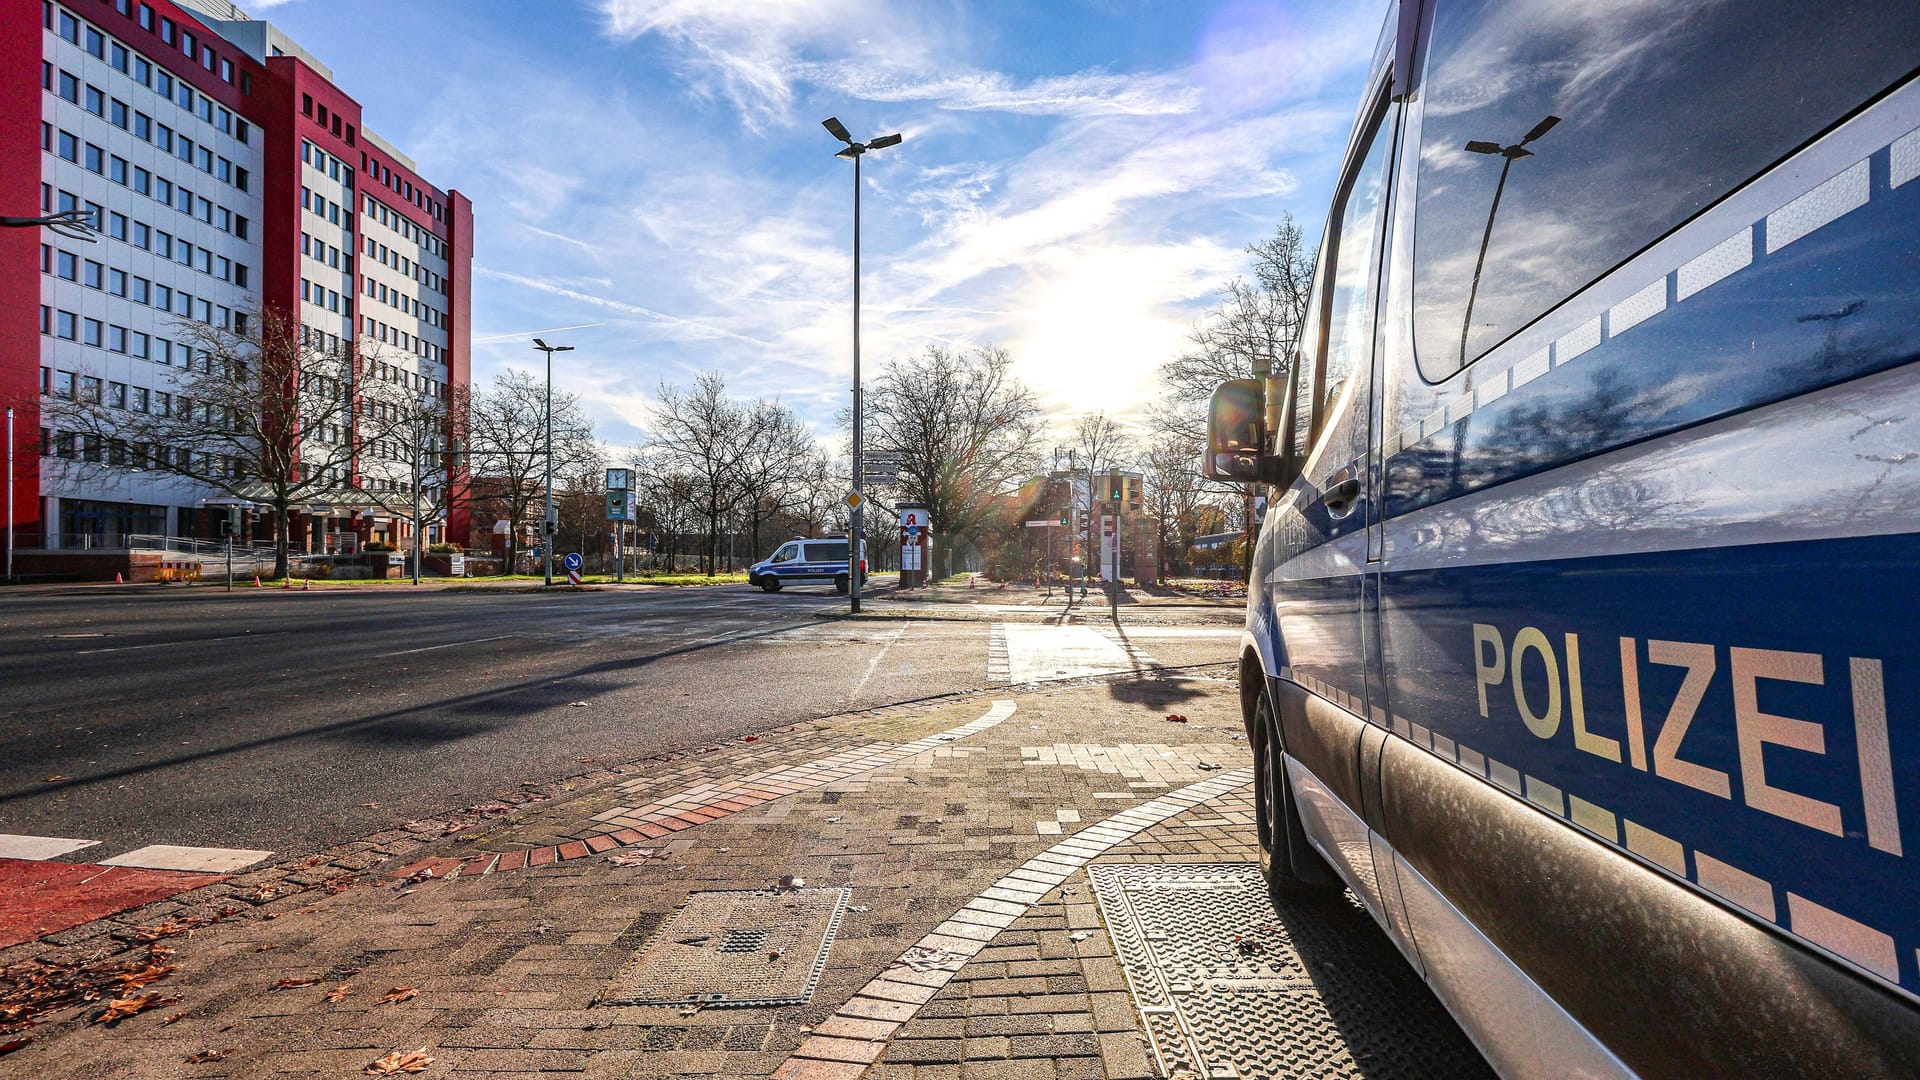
973, 947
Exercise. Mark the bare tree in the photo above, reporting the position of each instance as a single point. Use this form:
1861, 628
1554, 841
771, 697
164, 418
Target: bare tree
507, 453
1173, 493
670, 495
431, 432
266, 412
773, 467
704, 433
965, 430
1255, 322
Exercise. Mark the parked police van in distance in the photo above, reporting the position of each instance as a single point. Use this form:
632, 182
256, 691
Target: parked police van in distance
1582, 638
802, 560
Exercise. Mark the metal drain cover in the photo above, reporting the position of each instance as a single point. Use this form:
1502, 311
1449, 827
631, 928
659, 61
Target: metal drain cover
735, 947
1228, 987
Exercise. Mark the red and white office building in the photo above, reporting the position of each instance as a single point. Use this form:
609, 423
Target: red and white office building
226, 174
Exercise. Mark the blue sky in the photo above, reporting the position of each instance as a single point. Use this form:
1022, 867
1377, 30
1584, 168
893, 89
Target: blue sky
1078, 177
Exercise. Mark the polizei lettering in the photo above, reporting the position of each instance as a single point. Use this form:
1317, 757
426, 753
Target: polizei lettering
1540, 675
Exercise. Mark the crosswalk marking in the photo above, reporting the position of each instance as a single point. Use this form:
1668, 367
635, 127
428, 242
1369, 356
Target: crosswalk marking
172, 857
39, 848
1036, 653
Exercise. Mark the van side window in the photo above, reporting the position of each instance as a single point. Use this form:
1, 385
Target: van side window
1641, 116
1344, 284
787, 554
1350, 308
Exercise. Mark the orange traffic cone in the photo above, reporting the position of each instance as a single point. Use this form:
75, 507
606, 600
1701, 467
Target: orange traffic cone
117, 579
307, 585
256, 581
287, 582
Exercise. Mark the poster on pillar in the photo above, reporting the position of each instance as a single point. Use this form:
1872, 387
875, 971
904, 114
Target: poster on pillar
1109, 547
916, 545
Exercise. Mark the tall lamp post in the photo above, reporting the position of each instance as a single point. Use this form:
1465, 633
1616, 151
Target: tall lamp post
74, 225
858, 520
1511, 154
547, 529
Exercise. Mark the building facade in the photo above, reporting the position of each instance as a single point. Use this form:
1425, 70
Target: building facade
227, 176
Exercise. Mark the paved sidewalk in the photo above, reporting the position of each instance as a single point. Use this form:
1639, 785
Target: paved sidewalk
970, 835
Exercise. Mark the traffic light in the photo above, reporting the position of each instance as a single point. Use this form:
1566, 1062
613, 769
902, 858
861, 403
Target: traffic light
1063, 517
1116, 491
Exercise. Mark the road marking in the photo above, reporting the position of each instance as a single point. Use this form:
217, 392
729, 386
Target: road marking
879, 656
940, 955
453, 644
211, 860
1037, 653
39, 848
181, 641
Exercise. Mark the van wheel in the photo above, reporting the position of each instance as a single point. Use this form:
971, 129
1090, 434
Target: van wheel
770, 583
1294, 871
840, 585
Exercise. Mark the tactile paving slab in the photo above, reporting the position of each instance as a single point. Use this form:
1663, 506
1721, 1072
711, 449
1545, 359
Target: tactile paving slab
735, 947
1228, 987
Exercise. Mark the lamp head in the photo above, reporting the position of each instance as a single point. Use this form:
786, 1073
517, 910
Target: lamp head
884, 141
837, 129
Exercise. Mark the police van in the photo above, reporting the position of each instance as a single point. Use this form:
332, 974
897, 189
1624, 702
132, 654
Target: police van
802, 560
1583, 641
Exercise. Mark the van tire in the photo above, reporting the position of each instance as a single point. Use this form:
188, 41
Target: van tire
1294, 871
769, 583
840, 585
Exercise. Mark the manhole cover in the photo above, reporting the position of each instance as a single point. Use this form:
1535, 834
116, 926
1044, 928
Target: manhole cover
735, 947
1228, 987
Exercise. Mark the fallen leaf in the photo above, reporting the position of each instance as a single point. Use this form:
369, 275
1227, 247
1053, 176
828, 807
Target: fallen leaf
396, 1063
338, 886
397, 995
340, 992
294, 982
1176, 718
204, 1056
1078, 935
119, 1009
266, 947
371, 805
54, 779
11, 1045
131, 980
576, 704
750, 738
174, 1019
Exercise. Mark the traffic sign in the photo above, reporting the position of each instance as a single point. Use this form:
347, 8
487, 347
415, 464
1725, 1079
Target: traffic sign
573, 577
573, 560
854, 500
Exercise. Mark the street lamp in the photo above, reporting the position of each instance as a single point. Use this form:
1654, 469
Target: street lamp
547, 530
858, 519
1511, 154
72, 224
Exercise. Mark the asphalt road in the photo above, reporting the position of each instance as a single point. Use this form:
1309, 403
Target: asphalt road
291, 722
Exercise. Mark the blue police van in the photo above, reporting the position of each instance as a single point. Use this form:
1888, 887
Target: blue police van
1583, 633
803, 560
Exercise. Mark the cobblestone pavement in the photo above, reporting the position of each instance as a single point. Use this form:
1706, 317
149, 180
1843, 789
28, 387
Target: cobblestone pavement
971, 944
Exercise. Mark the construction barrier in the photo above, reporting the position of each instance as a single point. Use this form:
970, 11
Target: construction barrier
177, 570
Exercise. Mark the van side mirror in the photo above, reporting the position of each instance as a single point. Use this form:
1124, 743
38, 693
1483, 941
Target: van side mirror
1236, 432
1250, 436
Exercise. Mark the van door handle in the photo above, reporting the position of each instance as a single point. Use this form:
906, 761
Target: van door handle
1342, 497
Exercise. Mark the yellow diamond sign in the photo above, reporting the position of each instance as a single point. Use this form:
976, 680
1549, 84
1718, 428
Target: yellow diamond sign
854, 499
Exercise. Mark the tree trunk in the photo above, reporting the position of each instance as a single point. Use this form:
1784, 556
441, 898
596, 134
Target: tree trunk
280, 526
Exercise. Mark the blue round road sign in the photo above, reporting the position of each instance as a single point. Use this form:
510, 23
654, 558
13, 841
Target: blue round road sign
573, 560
